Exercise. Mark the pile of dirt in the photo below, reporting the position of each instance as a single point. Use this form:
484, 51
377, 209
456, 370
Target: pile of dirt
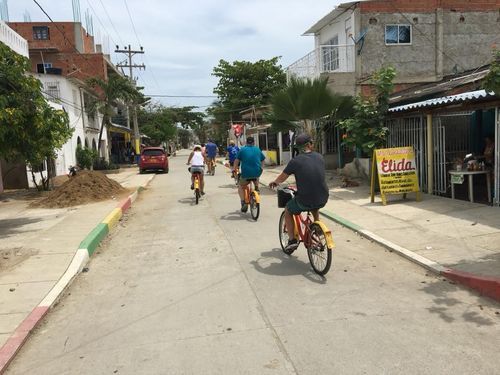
85, 187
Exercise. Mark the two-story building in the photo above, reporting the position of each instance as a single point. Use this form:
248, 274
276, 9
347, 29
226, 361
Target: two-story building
423, 40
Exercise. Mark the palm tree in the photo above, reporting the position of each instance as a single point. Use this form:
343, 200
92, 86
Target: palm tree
116, 88
305, 101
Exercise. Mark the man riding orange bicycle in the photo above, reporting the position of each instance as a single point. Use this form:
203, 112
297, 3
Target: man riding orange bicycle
312, 192
251, 160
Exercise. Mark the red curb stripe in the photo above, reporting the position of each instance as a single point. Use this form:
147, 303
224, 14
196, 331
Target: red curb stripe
487, 286
125, 204
14, 343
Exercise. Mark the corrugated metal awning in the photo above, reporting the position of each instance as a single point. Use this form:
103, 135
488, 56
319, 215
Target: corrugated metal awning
116, 128
460, 98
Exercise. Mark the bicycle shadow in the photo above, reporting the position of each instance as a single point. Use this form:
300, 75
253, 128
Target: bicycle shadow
288, 265
189, 201
237, 216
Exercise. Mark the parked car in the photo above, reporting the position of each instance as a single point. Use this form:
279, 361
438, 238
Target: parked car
153, 158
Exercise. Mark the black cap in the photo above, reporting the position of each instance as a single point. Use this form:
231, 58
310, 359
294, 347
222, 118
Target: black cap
302, 139
250, 140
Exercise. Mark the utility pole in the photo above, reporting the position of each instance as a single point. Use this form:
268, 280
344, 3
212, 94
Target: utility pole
130, 53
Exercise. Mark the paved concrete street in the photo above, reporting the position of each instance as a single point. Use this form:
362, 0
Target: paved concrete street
186, 289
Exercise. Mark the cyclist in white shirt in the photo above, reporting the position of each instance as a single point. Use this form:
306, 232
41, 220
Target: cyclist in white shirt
196, 161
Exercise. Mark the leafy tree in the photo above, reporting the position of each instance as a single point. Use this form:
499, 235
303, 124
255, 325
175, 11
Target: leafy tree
157, 122
30, 129
185, 137
492, 80
366, 129
304, 102
116, 88
243, 84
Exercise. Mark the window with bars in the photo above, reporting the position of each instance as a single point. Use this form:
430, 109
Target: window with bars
398, 34
41, 33
52, 90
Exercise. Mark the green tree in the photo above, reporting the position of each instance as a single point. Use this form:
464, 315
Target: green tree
157, 123
366, 129
115, 89
243, 84
30, 129
185, 137
492, 80
304, 102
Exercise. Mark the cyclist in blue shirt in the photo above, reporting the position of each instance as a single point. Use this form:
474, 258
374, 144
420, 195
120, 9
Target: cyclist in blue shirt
211, 152
251, 159
232, 153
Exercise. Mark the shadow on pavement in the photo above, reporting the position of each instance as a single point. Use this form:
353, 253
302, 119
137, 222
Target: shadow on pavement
442, 290
287, 266
485, 265
189, 201
13, 226
238, 216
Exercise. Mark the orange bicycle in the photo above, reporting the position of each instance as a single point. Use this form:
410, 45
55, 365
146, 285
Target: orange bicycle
315, 235
252, 197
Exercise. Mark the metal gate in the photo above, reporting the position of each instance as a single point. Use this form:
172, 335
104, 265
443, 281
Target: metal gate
497, 157
439, 138
411, 131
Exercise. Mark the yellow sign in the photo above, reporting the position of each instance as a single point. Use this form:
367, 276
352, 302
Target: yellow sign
397, 172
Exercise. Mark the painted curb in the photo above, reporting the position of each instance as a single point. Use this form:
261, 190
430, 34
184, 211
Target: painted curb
20, 335
487, 286
80, 259
112, 219
94, 238
125, 204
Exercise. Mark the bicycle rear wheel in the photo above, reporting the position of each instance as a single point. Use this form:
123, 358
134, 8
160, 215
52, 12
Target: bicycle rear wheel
318, 252
254, 207
197, 195
283, 235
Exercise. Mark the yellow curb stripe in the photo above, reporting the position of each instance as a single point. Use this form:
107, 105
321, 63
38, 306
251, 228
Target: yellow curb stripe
112, 219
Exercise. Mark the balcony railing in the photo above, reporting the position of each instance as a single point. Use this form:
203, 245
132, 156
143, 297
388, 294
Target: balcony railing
325, 59
13, 40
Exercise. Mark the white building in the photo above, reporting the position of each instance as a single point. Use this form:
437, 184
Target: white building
69, 94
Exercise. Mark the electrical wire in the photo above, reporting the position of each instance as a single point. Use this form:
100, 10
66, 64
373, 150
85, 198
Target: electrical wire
140, 44
85, 58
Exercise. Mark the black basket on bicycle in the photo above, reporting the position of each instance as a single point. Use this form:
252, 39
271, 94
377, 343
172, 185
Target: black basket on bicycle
284, 195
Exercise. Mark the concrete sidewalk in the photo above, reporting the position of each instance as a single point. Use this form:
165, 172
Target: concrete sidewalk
39, 245
458, 239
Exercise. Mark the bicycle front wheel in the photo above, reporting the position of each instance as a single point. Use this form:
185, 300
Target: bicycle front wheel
318, 252
254, 207
283, 234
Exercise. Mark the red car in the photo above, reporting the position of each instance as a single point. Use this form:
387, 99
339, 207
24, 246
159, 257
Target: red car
153, 158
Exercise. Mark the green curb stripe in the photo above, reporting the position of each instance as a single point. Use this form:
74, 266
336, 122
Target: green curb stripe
94, 238
340, 220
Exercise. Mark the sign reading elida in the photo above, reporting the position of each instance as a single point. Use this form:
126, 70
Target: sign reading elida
397, 172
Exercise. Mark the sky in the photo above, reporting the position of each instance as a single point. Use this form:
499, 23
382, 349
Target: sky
184, 40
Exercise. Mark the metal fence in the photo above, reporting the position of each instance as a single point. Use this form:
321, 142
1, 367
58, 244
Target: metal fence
411, 131
452, 141
496, 176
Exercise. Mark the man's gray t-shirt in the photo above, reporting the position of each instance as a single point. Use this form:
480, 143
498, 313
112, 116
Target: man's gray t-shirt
309, 171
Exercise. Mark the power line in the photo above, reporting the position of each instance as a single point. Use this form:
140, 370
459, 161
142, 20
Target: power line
85, 58
140, 44
101, 23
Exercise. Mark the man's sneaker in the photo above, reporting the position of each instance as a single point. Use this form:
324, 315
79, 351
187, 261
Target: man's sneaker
244, 207
192, 186
292, 245
202, 193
